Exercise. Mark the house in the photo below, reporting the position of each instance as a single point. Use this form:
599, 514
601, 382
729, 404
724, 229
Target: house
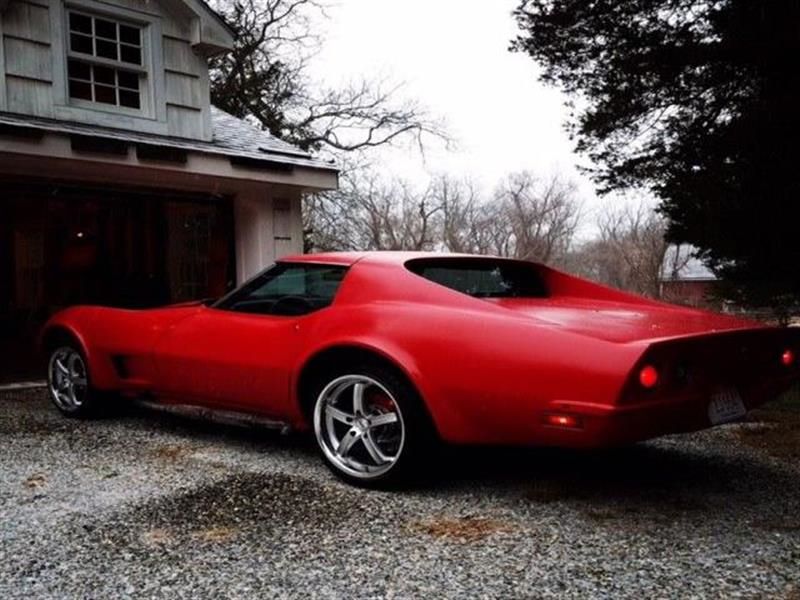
686, 280
120, 183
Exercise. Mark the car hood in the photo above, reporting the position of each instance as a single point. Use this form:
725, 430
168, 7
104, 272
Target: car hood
622, 322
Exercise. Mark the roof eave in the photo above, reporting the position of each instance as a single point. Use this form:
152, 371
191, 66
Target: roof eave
211, 39
211, 35
18, 126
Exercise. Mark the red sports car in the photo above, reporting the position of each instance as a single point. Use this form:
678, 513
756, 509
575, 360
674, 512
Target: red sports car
383, 354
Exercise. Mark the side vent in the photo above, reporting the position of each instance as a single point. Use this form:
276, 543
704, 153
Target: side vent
20, 131
121, 366
98, 145
261, 164
161, 153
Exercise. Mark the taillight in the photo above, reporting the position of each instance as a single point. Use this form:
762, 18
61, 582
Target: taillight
787, 358
648, 377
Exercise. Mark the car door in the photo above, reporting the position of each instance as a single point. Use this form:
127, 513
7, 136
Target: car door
240, 352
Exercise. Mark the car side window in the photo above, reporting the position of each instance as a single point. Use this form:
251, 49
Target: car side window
287, 290
483, 277
292, 282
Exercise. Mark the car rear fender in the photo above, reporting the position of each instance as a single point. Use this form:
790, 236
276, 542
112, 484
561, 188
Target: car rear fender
383, 349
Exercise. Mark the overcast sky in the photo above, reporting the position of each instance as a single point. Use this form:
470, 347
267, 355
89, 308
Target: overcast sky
453, 55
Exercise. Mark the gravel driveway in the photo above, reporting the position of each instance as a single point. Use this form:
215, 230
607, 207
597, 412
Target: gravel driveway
149, 505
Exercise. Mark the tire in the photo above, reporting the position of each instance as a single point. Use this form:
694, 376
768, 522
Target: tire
370, 426
69, 383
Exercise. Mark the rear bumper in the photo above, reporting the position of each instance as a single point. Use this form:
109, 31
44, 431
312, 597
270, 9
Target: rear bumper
603, 425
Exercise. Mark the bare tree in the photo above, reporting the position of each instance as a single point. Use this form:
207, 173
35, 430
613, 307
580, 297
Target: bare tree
631, 251
362, 115
401, 219
524, 218
466, 217
266, 78
541, 215
263, 77
369, 212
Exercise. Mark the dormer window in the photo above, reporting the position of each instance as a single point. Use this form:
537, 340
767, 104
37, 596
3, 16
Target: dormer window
105, 61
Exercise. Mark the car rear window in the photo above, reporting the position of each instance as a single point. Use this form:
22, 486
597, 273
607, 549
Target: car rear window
483, 277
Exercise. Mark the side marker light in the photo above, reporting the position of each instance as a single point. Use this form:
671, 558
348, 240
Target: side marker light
566, 421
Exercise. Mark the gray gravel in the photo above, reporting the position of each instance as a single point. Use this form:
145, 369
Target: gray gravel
148, 505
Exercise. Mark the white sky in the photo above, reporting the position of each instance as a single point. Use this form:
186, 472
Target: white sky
453, 56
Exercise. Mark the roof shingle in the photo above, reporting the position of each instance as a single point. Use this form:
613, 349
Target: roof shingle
232, 137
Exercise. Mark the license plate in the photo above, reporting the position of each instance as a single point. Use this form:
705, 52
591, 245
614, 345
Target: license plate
726, 406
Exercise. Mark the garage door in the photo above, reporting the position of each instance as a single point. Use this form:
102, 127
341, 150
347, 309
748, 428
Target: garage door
62, 245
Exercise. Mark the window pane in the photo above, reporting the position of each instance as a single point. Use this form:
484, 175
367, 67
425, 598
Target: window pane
129, 99
128, 80
130, 35
79, 70
81, 43
105, 94
80, 23
483, 278
323, 282
287, 290
131, 55
80, 90
107, 49
105, 29
104, 75
291, 282
106, 39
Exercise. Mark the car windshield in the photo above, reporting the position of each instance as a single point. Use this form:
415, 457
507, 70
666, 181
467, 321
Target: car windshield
483, 278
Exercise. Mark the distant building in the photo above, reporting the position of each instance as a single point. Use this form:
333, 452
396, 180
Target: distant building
686, 280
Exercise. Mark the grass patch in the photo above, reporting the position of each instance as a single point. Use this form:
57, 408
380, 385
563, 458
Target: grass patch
793, 593
173, 452
157, 537
163, 536
788, 401
775, 427
216, 534
461, 529
35, 481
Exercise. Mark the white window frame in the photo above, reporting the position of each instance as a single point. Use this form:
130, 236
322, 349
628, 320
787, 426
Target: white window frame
145, 75
151, 116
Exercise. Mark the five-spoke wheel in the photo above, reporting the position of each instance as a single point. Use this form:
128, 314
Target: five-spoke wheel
359, 426
68, 381
371, 424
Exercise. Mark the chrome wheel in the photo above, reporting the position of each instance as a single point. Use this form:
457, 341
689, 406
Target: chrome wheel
67, 378
359, 426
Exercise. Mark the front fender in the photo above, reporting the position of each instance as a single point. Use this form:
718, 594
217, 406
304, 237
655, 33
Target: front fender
76, 324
